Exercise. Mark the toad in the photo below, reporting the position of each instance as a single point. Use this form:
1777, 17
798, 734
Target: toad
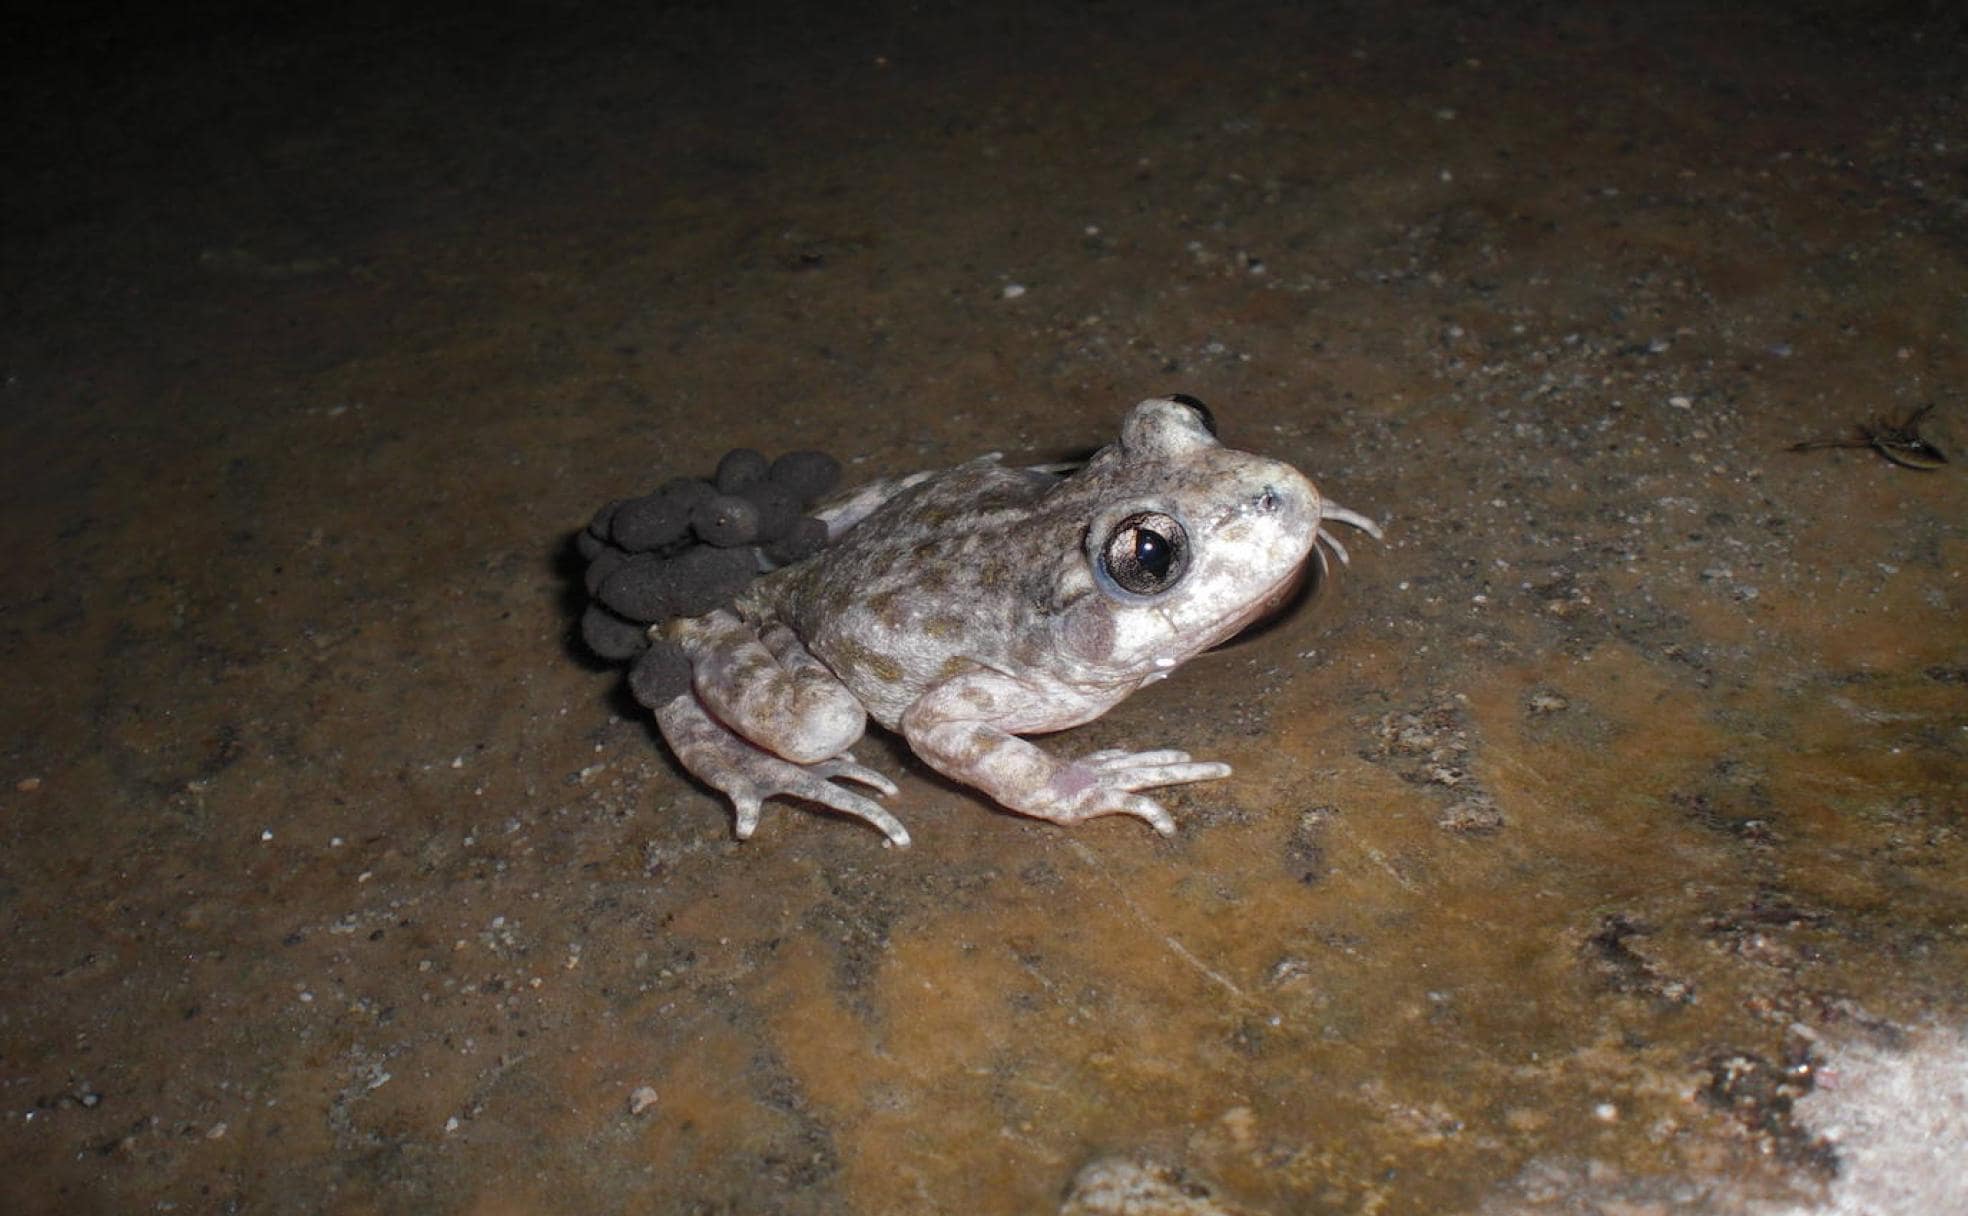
968, 607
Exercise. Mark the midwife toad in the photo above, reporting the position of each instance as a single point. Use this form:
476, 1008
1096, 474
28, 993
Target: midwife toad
969, 606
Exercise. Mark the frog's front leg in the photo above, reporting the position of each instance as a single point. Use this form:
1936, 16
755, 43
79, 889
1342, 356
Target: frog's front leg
765, 718
963, 729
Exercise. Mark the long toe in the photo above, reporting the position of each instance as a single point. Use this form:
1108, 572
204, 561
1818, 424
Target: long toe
814, 789
844, 768
1144, 808
1113, 760
747, 807
1152, 775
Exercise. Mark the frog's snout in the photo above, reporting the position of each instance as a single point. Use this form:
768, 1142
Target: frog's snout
1272, 519
1286, 495
1283, 508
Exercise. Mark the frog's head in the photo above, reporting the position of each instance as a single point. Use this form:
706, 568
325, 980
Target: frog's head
1187, 541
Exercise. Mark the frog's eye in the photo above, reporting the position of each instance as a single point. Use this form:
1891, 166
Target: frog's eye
1202, 411
1146, 553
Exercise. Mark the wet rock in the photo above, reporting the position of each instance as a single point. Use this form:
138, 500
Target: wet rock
1122, 1187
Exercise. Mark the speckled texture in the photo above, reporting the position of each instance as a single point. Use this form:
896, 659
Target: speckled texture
1578, 832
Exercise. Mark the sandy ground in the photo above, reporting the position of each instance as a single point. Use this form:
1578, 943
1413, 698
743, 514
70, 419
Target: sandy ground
1582, 833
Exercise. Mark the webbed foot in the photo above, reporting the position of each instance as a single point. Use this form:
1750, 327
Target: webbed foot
1103, 783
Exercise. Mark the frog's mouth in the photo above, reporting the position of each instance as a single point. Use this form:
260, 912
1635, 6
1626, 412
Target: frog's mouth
1297, 586
1303, 581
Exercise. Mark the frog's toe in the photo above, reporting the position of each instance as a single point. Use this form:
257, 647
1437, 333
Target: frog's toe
1145, 770
769, 777
813, 786
1104, 783
746, 807
814, 783
1106, 799
844, 767
1143, 807
743, 792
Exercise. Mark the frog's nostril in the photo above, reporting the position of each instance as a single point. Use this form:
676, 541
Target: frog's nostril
1269, 501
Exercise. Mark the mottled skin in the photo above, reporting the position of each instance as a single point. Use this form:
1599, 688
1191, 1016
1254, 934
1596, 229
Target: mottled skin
967, 607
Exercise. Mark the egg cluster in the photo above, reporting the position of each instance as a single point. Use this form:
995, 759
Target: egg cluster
688, 547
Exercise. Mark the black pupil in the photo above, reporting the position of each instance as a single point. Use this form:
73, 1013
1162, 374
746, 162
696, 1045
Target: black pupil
1152, 552
1146, 553
1203, 411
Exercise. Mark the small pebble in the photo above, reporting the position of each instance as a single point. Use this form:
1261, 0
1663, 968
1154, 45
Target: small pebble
740, 468
806, 537
725, 520
777, 509
660, 676
639, 588
690, 546
601, 565
704, 577
807, 475
598, 526
611, 637
650, 522
689, 491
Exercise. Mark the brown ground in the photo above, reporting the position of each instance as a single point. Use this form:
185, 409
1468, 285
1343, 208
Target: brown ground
1568, 826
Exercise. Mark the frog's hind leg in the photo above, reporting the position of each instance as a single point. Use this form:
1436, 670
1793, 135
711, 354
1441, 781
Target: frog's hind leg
766, 687
748, 775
